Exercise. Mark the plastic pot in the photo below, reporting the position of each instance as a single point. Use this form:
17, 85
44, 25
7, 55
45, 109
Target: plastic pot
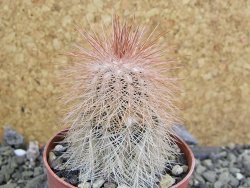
56, 182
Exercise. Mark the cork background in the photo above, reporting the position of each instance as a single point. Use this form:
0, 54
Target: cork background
211, 39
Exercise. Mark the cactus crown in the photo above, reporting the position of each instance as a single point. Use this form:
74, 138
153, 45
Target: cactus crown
121, 108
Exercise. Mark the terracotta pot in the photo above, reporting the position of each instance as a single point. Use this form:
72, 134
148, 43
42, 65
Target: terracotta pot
56, 182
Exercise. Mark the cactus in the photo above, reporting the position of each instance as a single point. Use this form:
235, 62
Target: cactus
121, 107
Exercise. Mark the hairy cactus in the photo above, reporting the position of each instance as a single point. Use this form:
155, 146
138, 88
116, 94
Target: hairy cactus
121, 107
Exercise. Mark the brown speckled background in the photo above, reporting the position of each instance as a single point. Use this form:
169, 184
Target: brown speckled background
212, 40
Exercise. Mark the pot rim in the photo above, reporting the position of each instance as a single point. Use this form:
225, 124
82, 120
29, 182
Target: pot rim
46, 163
190, 166
180, 140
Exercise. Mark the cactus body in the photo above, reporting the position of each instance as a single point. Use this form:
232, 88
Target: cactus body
121, 108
